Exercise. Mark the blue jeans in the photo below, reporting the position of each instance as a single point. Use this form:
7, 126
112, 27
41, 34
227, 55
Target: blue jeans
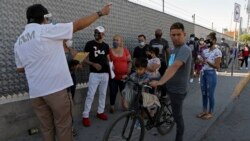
208, 83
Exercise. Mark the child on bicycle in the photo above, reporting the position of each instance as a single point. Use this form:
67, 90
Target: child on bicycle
139, 76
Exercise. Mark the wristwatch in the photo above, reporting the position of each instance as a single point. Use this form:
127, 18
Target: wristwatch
99, 13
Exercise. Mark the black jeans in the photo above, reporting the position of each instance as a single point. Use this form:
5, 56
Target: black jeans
245, 59
113, 87
176, 104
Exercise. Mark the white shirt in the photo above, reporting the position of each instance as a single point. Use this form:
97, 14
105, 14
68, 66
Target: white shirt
210, 56
39, 50
156, 73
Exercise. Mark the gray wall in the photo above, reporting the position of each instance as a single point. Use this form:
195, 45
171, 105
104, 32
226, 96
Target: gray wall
127, 19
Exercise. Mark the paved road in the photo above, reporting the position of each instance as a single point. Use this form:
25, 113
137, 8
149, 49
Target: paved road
195, 128
234, 124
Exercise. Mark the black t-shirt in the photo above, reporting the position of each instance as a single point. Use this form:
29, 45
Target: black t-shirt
98, 54
140, 52
162, 44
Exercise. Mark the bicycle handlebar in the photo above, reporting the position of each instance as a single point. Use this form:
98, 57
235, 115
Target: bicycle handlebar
141, 84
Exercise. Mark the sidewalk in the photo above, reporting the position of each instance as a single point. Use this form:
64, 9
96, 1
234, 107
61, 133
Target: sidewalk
230, 126
194, 128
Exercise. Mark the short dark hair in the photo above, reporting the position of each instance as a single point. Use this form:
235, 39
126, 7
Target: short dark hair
141, 62
141, 35
177, 25
35, 13
155, 50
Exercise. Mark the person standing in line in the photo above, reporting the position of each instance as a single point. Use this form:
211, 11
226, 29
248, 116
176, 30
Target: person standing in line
195, 49
140, 50
224, 48
121, 59
245, 54
154, 63
232, 53
162, 45
199, 64
70, 53
98, 60
39, 54
177, 76
211, 60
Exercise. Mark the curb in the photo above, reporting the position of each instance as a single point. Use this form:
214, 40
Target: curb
229, 106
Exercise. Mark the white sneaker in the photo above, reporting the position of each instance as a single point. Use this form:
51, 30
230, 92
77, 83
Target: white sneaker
191, 80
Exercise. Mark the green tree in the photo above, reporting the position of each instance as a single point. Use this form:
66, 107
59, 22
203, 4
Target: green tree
245, 38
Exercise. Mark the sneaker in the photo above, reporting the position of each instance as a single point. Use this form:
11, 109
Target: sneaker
102, 116
191, 80
246, 68
240, 68
85, 122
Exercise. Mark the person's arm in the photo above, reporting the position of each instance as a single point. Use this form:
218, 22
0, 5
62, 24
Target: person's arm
86, 21
95, 65
216, 64
170, 72
129, 64
217, 61
20, 67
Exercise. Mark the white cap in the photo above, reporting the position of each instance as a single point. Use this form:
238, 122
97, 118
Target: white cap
101, 29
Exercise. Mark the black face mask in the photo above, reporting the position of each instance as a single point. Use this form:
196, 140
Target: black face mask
158, 36
97, 36
209, 43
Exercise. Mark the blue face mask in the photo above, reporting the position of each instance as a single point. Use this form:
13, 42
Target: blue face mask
115, 44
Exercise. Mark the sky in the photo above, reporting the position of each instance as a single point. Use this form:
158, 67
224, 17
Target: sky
209, 13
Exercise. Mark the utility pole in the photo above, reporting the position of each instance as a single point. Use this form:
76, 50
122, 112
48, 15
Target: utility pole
193, 16
163, 6
248, 16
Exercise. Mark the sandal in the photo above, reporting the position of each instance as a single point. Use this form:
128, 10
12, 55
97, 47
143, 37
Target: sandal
207, 117
200, 115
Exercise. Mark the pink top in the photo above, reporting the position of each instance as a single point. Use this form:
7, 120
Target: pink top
120, 63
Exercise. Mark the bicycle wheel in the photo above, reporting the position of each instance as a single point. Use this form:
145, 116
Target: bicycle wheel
125, 128
165, 119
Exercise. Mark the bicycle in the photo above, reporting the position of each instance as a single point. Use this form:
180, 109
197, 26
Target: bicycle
123, 128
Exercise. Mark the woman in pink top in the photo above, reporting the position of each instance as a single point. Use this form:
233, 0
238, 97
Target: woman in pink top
121, 59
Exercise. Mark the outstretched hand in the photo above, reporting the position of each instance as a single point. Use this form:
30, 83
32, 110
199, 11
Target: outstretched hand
105, 10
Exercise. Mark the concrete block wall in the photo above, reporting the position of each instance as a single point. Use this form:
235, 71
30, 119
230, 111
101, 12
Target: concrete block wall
126, 18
